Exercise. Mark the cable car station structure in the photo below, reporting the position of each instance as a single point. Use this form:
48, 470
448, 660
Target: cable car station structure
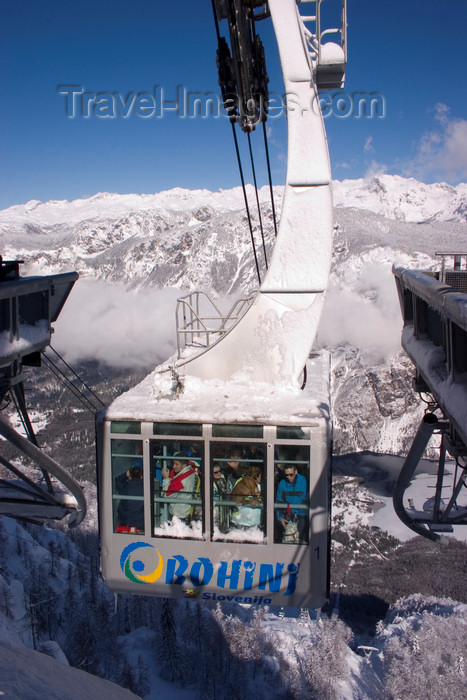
434, 311
28, 308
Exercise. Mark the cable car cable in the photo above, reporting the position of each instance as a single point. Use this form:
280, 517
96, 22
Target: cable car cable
262, 88
228, 86
18, 411
246, 200
56, 372
253, 170
216, 21
68, 384
80, 379
271, 192
17, 392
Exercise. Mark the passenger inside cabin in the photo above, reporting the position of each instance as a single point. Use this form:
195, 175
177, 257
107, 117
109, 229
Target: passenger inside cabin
220, 489
247, 493
130, 512
283, 456
292, 490
158, 474
190, 450
235, 468
181, 485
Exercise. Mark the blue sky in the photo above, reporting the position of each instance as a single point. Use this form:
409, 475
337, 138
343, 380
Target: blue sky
411, 53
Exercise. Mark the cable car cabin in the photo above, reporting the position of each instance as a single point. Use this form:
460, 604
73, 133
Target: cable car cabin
214, 485
218, 493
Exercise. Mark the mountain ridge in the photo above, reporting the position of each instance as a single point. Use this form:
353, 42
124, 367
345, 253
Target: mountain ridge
393, 196
403, 199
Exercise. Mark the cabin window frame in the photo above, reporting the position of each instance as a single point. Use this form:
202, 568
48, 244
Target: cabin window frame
230, 445
160, 514
206, 443
121, 462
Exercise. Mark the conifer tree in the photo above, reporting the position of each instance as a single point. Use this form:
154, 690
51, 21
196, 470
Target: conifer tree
170, 657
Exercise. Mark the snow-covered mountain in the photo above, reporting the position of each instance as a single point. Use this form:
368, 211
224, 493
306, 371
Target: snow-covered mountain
403, 199
128, 248
189, 238
179, 238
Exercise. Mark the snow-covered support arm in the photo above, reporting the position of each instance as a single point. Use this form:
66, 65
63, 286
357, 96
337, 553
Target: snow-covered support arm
273, 339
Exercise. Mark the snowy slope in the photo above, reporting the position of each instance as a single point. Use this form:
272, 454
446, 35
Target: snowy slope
200, 238
175, 238
180, 650
403, 199
391, 196
30, 675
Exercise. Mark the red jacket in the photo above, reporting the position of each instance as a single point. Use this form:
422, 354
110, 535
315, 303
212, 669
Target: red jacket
177, 480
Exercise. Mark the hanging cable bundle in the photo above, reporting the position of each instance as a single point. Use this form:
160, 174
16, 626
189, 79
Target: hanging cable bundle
243, 81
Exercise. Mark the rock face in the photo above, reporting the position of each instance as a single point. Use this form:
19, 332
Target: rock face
374, 407
200, 240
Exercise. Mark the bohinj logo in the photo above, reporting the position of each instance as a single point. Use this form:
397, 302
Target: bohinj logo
133, 567
142, 563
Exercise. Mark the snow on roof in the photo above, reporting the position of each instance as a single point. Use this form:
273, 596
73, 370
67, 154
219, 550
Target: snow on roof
29, 337
240, 400
332, 53
430, 360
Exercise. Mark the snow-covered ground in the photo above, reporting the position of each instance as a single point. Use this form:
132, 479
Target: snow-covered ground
39, 420
31, 675
377, 474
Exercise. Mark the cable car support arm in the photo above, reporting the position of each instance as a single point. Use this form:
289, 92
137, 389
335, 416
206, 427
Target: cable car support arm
273, 339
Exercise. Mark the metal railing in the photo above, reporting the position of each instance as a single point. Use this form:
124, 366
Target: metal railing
200, 322
315, 35
454, 270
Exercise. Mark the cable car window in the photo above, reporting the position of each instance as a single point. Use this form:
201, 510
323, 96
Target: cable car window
130, 427
127, 485
190, 429
176, 478
289, 432
238, 477
237, 430
291, 483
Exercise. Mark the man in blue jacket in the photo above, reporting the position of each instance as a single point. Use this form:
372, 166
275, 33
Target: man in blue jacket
292, 490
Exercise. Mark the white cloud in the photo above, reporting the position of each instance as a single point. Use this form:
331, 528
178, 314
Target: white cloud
362, 310
111, 323
375, 169
442, 152
368, 147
